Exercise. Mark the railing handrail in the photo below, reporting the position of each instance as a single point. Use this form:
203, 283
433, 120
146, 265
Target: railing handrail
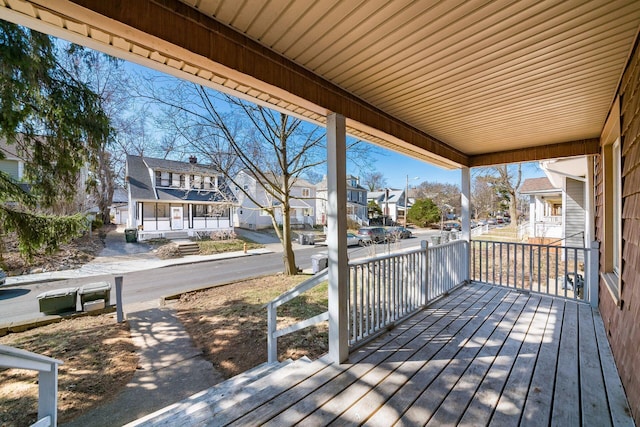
300, 288
383, 257
47, 368
532, 244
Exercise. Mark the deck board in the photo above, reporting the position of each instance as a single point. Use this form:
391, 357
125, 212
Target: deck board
537, 407
566, 397
484, 355
591, 382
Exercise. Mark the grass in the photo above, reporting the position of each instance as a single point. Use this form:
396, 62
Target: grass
210, 247
229, 323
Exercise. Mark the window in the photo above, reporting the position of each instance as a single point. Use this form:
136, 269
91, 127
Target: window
162, 210
175, 180
208, 183
196, 181
166, 179
612, 221
183, 181
306, 192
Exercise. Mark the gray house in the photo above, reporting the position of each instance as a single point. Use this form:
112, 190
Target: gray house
356, 201
177, 199
557, 203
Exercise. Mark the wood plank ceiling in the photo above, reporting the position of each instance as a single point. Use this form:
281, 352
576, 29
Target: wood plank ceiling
479, 76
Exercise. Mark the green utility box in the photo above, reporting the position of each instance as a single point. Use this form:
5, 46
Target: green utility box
58, 300
95, 291
131, 235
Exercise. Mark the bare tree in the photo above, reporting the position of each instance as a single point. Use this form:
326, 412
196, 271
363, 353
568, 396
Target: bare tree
373, 180
482, 197
234, 135
506, 179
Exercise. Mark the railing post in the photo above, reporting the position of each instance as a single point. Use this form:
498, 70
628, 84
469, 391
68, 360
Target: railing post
119, 308
592, 274
424, 297
272, 340
48, 394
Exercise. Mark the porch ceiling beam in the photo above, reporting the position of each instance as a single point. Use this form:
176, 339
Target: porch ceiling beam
582, 147
185, 27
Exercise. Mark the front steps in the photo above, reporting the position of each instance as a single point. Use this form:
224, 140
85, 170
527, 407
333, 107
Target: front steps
188, 248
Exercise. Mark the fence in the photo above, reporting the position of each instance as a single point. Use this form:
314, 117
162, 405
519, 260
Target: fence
383, 290
562, 271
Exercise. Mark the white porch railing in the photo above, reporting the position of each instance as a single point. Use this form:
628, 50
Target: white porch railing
47, 380
383, 290
563, 271
479, 230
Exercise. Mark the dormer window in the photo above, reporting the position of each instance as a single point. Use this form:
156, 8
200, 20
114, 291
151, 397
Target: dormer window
306, 192
163, 179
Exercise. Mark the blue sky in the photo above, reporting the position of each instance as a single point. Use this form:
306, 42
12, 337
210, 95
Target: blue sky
397, 167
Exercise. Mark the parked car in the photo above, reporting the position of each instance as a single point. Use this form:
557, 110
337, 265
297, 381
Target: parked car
451, 226
3, 277
492, 221
372, 234
399, 232
353, 240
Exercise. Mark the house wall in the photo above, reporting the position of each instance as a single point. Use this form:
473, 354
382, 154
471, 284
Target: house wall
573, 212
622, 321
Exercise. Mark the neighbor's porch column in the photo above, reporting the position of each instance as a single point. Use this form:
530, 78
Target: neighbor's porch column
465, 195
337, 237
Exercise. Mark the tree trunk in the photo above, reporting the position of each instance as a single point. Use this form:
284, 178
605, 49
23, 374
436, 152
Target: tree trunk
513, 208
289, 258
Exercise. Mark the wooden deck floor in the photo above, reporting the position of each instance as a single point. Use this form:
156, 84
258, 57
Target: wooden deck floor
483, 355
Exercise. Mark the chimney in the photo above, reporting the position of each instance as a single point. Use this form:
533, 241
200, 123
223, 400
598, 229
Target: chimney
193, 160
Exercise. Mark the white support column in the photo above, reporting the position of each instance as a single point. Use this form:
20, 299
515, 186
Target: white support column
465, 196
337, 237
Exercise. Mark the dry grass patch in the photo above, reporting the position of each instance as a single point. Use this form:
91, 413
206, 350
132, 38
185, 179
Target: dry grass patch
211, 247
229, 323
99, 360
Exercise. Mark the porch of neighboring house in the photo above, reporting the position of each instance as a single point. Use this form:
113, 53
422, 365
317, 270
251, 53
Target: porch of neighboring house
427, 349
179, 221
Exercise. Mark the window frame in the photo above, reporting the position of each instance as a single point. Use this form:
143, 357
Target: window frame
611, 205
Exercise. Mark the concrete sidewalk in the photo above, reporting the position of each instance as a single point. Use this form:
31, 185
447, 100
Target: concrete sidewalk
170, 369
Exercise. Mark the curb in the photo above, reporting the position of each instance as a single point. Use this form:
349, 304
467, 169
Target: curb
25, 325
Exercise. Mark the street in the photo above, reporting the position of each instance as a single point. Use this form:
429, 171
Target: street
20, 303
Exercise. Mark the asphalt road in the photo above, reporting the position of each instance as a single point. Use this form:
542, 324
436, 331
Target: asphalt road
20, 303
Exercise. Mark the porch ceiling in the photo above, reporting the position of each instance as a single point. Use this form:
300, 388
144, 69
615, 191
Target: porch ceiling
452, 82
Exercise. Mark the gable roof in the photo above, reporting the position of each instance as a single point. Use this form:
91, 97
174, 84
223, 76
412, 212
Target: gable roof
182, 167
141, 184
537, 185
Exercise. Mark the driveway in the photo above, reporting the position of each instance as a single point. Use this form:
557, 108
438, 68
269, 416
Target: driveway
116, 245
